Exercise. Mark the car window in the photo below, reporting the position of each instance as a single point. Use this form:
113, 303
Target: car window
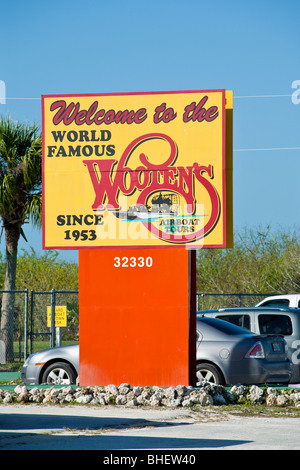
239, 320
222, 326
299, 303
276, 303
275, 324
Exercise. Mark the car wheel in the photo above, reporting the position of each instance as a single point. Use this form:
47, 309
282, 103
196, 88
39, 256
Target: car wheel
59, 373
208, 373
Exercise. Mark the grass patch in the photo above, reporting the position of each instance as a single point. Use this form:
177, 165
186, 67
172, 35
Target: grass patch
263, 410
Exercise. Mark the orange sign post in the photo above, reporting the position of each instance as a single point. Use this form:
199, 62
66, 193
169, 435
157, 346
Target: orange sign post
137, 182
135, 320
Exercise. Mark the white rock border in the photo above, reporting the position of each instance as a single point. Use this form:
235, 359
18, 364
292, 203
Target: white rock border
179, 396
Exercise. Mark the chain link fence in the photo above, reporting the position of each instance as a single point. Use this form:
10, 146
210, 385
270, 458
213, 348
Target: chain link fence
54, 319
12, 329
36, 324
211, 301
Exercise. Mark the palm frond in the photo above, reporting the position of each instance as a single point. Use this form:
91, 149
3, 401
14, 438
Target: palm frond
33, 163
33, 209
20, 171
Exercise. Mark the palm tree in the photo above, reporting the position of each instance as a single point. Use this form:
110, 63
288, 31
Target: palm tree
20, 201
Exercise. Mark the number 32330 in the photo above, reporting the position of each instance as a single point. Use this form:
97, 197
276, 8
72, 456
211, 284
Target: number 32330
133, 262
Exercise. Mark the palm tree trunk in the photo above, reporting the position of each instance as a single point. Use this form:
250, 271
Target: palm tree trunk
12, 234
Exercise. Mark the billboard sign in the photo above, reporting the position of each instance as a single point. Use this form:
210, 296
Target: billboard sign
135, 170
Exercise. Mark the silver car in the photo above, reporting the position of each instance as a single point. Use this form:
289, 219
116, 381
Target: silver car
52, 366
226, 354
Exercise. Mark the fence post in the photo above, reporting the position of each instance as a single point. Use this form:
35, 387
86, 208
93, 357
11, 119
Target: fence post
53, 300
26, 326
31, 321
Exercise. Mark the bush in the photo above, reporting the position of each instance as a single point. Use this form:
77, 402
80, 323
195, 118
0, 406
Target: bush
260, 262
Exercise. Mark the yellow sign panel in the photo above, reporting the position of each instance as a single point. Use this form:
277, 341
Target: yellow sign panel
135, 170
60, 316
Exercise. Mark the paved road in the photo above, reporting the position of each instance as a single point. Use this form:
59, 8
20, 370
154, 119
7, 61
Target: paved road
34, 427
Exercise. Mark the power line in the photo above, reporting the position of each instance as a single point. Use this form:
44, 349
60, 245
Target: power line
273, 148
6, 98
262, 96
234, 96
237, 97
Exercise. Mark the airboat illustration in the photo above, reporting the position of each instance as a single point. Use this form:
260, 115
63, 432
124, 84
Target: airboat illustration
160, 205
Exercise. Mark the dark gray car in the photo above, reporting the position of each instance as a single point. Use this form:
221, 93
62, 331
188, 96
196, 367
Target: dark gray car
226, 354
261, 320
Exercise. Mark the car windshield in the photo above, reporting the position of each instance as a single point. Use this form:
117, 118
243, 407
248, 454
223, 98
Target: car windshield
224, 326
280, 303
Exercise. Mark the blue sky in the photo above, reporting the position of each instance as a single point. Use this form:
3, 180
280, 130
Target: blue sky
250, 47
